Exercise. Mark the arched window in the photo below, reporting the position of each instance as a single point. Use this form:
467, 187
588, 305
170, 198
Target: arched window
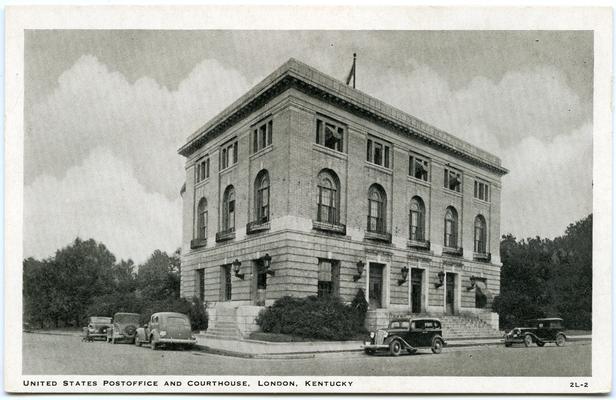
228, 209
377, 203
451, 228
417, 220
202, 219
328, 201
480, 234
262, 196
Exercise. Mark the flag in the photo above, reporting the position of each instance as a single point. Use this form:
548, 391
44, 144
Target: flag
352, 72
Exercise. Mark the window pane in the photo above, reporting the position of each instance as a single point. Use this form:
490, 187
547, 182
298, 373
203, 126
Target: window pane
378, 153
369, 151
319, 131
269, 132
386, 157
234, 152
255, 141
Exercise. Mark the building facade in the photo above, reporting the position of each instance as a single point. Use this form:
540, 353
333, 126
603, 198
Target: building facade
306, 186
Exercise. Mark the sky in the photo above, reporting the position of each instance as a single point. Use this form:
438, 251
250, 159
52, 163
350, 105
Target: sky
106, 111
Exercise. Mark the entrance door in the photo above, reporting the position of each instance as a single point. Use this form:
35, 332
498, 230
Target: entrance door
416, 285
260, 283
375, 289
450, 295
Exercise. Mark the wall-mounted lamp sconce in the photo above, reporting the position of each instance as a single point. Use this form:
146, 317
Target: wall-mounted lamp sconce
441, 279
267, 263
405, 273
236, 268
360, 270
473, 284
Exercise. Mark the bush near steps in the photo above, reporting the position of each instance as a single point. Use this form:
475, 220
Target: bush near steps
315, 317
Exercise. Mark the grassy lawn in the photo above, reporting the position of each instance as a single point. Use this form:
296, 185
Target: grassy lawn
282, 337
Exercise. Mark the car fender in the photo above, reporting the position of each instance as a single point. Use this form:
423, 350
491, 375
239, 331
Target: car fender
561, 333
438, 337
390, 339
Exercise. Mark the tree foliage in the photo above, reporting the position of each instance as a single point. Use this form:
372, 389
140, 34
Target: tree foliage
84, 279
543, 277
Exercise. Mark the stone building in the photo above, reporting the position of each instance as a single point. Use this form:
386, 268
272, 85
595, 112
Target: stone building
306, 186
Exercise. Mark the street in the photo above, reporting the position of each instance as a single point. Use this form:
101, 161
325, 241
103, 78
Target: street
68, 355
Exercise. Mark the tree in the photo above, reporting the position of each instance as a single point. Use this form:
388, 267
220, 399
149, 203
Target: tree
159, 276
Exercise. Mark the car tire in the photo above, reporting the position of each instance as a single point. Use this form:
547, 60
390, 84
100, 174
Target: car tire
437, 346
395, 348
528, 340
540, 344
560, 340
369, 351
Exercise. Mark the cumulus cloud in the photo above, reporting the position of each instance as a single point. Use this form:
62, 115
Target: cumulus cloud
532, 119
143, 122
100, 198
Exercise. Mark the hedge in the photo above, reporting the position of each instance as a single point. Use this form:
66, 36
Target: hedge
315, 317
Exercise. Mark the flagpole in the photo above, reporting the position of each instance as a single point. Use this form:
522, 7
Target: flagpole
354, 69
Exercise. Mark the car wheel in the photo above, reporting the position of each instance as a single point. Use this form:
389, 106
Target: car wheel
369, 351
437, 346
395, 348
540, 344
528, 340
560, 340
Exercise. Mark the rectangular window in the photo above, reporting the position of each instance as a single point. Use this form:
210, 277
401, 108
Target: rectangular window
202, 170
419, 167
482, 190
452, 180
330, 134
328, 278
378, 152
228, 155
226, 287
262, 135
201, 283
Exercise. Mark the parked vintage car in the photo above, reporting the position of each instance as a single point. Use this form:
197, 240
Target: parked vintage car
166, 328
539, 331
123, 328
97, 328
407, 334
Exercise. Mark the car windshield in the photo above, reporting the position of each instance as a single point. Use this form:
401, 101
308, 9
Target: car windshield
126, 318
100, 320
177, 321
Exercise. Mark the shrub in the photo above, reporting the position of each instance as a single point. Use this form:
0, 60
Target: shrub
313, 317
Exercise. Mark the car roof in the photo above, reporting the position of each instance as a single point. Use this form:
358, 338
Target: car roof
125, 313
415, 319
169, 314
549, 319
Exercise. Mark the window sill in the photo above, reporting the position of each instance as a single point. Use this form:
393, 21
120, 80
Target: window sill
377, 167
330, 152
453, 251
202, 183
259, 153
224, 171
485, 257
257, 226
325, 226
452, 192
380, 236
482, 202
225, 235
419, 181
198, 243
418, 244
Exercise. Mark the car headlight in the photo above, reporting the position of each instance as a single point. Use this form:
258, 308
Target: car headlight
371, 335
163, 333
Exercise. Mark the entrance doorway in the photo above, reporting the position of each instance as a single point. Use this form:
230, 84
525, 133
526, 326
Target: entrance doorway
450, 293
416, 290
375, 289
260, 283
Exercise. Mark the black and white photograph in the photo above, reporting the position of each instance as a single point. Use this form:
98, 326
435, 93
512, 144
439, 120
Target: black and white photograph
408, 202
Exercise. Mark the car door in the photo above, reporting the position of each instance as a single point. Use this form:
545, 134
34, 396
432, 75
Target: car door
153, 325
415, 333
428, 331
